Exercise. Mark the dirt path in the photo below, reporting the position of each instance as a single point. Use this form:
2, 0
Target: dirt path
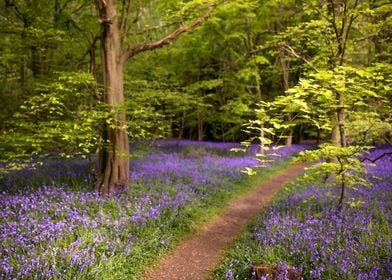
195, 258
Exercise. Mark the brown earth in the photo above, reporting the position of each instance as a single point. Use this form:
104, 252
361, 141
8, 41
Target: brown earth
195, 258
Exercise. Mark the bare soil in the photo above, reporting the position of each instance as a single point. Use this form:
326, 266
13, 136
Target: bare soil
195, 258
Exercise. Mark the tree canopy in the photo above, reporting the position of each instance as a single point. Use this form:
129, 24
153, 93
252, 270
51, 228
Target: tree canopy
83, 76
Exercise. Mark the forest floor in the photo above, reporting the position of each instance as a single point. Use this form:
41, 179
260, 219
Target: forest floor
196, 257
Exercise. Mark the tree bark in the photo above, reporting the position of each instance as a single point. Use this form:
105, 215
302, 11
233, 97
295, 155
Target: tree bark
114, 156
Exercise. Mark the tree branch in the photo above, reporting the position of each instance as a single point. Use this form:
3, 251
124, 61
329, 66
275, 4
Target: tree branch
332, 10
352, 18
386, 139
344, 18
126, 10
169, 38
377, 158
155, 28
293, 52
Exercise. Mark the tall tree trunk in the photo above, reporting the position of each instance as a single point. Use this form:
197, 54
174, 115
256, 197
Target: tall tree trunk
286, 76
200, 128
340, 115
335, 135
182, 127
262, 144
285, 73
259, 98
114, 156
341, 20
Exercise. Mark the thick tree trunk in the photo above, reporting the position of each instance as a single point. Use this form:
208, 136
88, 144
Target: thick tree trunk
114, 156
335, 135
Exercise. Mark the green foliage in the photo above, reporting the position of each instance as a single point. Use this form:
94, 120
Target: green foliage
63, 117
210, 81
336, 90
147, 117
314, 101
342, 164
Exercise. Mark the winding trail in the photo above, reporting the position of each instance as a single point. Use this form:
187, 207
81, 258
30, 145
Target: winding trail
195, 258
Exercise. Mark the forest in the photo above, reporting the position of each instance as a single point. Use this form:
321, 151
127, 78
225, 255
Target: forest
125, 126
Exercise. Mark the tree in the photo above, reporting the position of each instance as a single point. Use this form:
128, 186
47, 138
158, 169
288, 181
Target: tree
46, 96
115, 52
337, 90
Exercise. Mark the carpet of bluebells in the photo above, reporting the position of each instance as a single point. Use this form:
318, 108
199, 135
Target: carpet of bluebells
304, 229
53, 227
